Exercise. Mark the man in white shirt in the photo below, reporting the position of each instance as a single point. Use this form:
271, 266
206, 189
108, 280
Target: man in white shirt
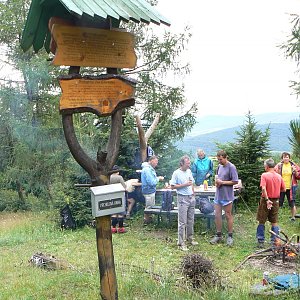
182, 180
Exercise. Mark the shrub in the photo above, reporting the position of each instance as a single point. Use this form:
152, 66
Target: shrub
9, 201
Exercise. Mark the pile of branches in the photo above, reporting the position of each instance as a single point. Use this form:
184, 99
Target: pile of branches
199, 271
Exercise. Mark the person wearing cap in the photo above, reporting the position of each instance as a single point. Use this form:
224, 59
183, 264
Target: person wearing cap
117, 219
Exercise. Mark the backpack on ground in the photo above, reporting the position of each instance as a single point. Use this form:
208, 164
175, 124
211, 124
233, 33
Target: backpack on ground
205, 206
67, 221
167, 200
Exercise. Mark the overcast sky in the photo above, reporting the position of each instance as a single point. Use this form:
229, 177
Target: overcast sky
234, 55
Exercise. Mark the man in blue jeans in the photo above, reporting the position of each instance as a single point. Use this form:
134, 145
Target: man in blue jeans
182, 180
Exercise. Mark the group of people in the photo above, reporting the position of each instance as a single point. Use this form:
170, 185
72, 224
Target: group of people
277, 182
183, 180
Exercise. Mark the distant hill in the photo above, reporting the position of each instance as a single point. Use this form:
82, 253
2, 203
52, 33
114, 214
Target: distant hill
213, 123
278, 138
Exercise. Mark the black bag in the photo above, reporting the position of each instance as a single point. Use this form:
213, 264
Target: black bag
67, 221
167, 200
205, 206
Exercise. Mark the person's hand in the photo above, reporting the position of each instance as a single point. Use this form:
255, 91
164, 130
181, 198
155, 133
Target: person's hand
269, 204
189, 183
294, 168
161, 178
219, 182
207, 175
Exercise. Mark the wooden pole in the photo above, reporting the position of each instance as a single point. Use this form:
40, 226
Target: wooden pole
98, 173
108, 279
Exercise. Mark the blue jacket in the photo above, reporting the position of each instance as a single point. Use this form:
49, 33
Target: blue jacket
200, 168
149, 179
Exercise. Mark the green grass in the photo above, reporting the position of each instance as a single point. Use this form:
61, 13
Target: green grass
138, 251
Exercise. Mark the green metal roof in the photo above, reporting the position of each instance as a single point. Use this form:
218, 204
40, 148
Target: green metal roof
89, 12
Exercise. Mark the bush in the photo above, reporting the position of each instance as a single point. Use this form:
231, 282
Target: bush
9, 201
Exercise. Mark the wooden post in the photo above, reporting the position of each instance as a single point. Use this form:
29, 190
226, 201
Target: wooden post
98, 173
108, 279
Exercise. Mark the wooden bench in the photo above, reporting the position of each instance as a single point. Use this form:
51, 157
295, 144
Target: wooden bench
156, 210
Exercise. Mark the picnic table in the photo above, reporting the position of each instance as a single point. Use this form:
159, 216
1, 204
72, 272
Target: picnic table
199, 192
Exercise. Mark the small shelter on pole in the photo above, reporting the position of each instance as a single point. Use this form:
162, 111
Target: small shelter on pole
90, 13
85, 33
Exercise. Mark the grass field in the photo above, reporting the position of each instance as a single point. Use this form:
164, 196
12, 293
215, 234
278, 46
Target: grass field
139, 253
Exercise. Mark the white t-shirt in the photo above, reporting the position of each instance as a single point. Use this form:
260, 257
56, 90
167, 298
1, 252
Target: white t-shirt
180, 177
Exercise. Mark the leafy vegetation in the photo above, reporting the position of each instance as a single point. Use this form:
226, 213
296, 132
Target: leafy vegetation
34, 158
247, 154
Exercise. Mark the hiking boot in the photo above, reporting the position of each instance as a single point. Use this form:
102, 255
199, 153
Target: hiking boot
193, 243
215, 240
229, 241
261, 244
183, 248
113, 230
293, 219
129, 217
121, 230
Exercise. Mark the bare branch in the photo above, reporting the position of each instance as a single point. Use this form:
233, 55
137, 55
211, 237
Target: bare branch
143, 143
152, 127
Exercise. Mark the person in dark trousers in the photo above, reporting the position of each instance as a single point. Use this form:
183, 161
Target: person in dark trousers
117, 219
290, 173
271, 185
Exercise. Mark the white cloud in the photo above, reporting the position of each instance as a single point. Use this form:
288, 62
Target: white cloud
234, 55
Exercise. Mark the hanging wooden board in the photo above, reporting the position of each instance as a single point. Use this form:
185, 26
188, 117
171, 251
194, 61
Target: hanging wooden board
102, 96
92, 47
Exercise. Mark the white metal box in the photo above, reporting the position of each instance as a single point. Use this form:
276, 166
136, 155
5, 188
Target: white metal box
107, 199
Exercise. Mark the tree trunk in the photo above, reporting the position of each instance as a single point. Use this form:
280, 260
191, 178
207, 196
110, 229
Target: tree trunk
144, 137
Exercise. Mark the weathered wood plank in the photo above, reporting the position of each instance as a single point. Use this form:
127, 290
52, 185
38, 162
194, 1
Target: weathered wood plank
99, 96
91, 47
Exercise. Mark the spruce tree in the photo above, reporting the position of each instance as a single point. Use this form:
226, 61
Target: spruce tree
247, 153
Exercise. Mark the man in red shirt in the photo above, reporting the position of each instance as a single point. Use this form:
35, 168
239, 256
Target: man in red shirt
271, 185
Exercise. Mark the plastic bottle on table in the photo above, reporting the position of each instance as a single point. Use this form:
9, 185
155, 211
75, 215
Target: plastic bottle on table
205, 185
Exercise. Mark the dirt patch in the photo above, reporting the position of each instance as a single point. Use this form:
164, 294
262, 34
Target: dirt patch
274, 266
161, 235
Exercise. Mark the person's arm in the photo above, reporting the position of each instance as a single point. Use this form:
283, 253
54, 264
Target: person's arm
178, 186
265, 195
175, 185
188, 183
296, 171
123, 182
277, 169
211, 169
194, 170
150, 179
226, 182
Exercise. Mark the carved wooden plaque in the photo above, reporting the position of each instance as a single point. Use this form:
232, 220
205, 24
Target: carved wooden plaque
99, 96
92, 47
